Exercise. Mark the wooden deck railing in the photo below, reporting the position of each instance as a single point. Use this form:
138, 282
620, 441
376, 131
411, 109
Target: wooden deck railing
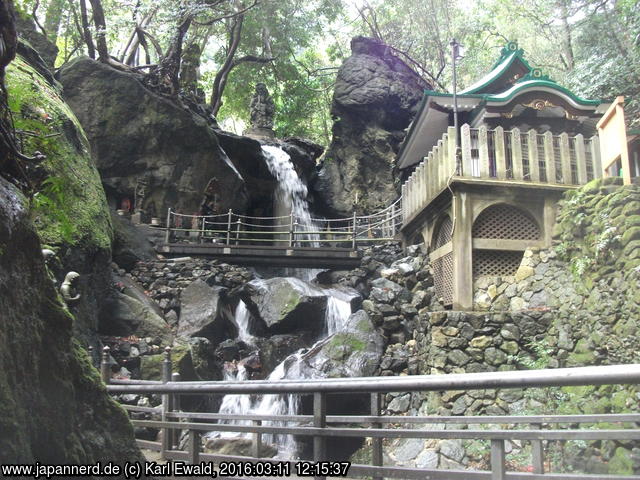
501, 156
286, 231
534, 430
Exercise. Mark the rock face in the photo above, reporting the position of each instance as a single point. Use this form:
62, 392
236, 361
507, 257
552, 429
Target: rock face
376, 97
53, 408
136, 134
285, 304
73, 219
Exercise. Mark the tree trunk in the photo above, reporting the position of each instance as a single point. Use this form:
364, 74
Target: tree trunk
166, 74
101, 31
567, 42
53, 18
86, 32
220, 80
8, 46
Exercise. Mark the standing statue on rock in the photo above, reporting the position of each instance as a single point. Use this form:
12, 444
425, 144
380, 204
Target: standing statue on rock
262, 110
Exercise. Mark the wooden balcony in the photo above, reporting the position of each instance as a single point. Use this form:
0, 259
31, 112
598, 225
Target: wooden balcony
496, 157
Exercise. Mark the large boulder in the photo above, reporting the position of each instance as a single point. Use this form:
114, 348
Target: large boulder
201, 312
124, 315
131, 242
46, 50
53, 407
355, 351
136, 134
284, 305
376, 97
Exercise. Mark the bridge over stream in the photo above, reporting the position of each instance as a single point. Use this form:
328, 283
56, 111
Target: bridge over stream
283, 241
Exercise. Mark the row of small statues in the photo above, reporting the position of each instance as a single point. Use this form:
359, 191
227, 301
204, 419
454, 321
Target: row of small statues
69, 287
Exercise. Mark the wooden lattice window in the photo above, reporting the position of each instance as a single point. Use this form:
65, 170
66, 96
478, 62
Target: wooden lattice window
443, 233
443, 266
505, 222
443, 278
495, 263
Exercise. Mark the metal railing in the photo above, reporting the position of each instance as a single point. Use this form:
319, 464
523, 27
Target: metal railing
320, 426
289, 231
507, 156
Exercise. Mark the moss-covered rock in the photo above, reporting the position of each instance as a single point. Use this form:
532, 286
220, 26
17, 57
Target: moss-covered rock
53, 406
69, 209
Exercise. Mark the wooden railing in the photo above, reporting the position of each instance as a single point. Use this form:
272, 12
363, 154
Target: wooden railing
321, 426
287, 231
501, 156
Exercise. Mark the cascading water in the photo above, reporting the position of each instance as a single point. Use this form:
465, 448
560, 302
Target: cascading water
291, 197
291, 194
241, 319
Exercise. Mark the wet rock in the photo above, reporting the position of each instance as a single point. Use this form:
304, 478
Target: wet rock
124, 315
237, 447
285, 304
201, 312
353, 352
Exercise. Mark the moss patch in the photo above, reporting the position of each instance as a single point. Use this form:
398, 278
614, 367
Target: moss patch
78, 215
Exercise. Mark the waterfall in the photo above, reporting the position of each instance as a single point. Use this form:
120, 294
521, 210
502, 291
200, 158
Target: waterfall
291, 194
291, 197
241, 319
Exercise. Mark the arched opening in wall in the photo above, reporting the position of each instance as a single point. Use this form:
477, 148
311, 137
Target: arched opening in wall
501, 224
442, 263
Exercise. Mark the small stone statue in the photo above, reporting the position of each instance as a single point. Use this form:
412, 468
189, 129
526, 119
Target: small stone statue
49, 256
262, 108
52, 264
140, 192
69, 289
211, 204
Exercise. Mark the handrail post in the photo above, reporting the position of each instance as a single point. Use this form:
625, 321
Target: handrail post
90, 353
291, 228
537, 452
166, 407
256, 441
193, 448
167, 235
319, 421
229, 226
238, 223
498, 468
354, 233
105, 366
204, 221
376, 442
176, 377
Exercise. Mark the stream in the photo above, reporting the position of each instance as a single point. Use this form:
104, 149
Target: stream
291, 196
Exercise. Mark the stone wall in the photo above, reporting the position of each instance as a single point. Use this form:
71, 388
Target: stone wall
574, 304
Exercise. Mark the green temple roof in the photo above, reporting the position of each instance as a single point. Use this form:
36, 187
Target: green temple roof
511, 81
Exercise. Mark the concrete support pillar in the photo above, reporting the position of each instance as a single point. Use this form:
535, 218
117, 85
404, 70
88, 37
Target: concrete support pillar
462, 252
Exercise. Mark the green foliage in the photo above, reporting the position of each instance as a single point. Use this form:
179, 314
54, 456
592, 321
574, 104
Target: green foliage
589, 46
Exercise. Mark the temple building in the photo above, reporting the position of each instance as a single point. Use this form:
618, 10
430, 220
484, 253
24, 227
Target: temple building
480, 196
